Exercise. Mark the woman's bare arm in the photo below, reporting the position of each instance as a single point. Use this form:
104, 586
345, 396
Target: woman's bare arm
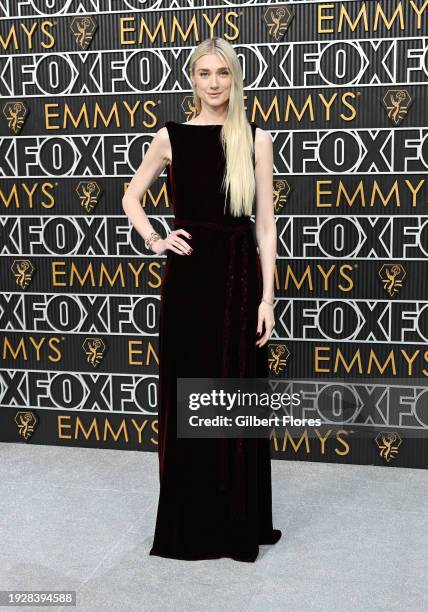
155, 159
265, 221
157, 156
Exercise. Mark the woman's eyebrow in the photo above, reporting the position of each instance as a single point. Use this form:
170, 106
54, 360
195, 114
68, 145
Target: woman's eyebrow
208, 70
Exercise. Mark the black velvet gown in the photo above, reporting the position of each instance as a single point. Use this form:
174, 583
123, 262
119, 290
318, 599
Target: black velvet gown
215, 494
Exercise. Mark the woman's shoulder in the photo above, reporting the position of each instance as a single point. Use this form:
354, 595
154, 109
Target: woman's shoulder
263, 144
162, 133
261, 135
162, 138
168, 125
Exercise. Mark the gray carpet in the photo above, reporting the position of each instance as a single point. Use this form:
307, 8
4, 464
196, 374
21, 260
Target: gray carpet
354, 537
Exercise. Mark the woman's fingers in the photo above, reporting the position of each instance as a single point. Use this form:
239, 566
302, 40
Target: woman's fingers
269, 327
177, 244
264, 338
182, 231
261, 341
182, 245
185, 245
174, 249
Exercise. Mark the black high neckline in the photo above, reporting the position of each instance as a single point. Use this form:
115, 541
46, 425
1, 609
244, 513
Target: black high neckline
199, 124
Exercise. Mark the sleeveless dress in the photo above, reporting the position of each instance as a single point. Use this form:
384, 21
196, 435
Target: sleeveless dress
215, 494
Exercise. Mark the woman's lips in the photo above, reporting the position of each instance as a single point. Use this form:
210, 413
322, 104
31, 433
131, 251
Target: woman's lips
214, 94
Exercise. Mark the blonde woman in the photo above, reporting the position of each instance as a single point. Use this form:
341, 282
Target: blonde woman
216, 309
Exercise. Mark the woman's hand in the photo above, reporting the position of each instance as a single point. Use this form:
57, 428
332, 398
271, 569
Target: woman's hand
174, 243
265, 316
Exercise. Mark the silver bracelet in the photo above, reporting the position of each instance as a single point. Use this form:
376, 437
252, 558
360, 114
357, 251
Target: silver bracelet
270, 303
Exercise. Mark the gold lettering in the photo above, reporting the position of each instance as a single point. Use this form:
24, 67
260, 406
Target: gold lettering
323, 439
299, 115
379, 14
62, 426
86, 434
321, 17
348, 367
343, 442
318, 356
374, 359
409, 359
327, 104
419, 11
343, 16
321, 192
414, 190
342, 273
349, 94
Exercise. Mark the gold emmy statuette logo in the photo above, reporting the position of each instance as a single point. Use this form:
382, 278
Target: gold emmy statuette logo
388, 443
88, 193
26, 421
188, 106
83, 29
23, 271
392, 276
279, 355
397, 103
15, 113
277, 19
281, 191
94, 349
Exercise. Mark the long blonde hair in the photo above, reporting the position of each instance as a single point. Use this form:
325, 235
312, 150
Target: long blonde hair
236, 133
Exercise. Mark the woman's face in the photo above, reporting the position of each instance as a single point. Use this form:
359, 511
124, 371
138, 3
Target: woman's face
213, 80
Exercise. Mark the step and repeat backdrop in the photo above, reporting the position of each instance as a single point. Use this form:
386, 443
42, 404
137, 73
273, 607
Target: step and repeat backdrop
342, 89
